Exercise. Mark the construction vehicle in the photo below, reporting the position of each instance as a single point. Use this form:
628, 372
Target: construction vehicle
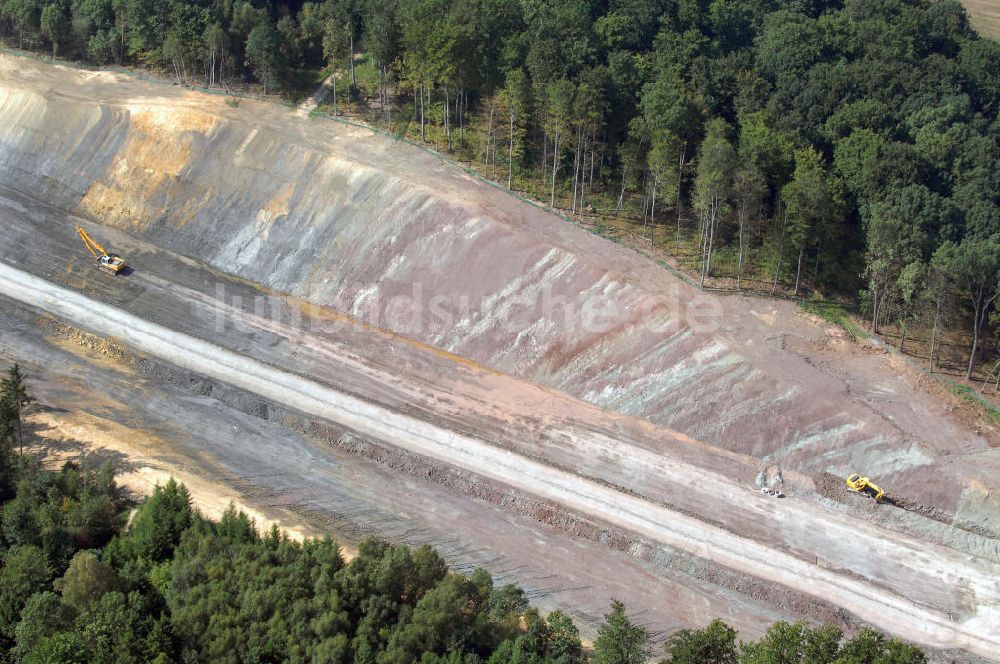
864, 485
110, 263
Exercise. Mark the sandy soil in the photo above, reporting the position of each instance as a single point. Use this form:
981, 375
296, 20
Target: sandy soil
984, 16
83, 438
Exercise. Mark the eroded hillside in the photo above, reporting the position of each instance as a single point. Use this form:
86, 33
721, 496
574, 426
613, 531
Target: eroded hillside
400, 239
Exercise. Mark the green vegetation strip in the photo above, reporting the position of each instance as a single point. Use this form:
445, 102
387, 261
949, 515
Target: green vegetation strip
834, 314
973, 397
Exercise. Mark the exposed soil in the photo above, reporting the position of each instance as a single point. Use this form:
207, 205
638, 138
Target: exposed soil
307, 485
634, 442
984, 16
577, 492
403, 241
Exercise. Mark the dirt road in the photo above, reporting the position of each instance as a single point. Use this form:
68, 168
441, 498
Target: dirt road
938, 567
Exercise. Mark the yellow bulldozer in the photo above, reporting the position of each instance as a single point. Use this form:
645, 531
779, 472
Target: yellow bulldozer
106, 262
855, 482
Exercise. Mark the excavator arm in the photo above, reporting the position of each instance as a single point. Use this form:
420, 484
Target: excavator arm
96, 249
106, 262
86, 241
879, 493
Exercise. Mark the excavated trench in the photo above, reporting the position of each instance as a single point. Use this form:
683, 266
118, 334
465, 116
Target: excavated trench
462, 481
473, 484
401, 240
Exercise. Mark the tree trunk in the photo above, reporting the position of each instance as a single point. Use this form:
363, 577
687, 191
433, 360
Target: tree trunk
383, 102
781, 247
798, 269
621, 196
334, 77
447, 116
680, 182
934, 331
710, 241
349, 96
489, 138
576, 169
593, 156
354, 81
980, 304
555, 165
875, 297
510, 154
703, 236
645, 200
545, 154
494, 132
652, 216
885, 311
423, 127
739, 261
975, 343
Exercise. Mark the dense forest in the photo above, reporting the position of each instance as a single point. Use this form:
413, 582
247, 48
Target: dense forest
84, 579
845, 148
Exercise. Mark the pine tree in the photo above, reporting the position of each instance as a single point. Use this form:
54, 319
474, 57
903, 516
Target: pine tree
619, 641
13, 398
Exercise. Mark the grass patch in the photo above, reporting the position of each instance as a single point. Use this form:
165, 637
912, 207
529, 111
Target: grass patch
834, 314
968, 394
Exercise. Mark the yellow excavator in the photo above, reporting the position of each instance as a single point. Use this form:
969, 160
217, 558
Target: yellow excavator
864, 485
110, 263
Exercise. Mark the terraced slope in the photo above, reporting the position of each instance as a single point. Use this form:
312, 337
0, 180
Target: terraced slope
402, 240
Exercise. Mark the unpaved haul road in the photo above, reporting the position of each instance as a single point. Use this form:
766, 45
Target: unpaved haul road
660, 524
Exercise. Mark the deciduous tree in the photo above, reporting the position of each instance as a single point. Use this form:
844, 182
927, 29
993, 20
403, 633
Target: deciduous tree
264, 55
713, 187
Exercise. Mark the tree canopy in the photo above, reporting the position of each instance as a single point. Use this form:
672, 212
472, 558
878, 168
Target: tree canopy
845, 117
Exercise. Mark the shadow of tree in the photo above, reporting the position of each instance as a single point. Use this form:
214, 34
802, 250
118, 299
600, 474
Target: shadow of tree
54, 452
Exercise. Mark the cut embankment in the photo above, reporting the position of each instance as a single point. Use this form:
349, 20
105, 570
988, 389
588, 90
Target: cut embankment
403, 240
649, 520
